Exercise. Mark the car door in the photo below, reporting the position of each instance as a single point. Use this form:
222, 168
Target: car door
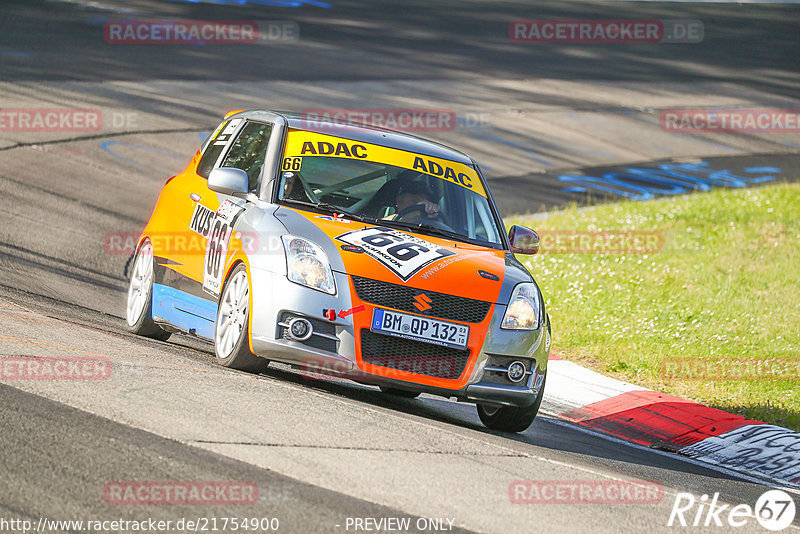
177, 231
208, 221
197, 225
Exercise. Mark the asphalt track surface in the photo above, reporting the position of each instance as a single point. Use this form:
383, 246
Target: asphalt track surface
322, 451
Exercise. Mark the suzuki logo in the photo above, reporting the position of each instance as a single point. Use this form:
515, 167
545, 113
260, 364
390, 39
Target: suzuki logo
422, 302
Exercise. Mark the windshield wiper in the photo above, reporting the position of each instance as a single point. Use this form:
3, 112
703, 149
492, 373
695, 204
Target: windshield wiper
429, 228
329, 208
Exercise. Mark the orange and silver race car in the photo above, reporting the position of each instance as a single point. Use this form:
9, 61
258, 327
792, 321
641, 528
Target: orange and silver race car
347, 250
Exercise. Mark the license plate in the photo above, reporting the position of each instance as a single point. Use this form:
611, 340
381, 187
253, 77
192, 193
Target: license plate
420, 328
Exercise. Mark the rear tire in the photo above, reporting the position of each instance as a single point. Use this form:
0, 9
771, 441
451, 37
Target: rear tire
400, 392
139, 309
510, 418
232, 329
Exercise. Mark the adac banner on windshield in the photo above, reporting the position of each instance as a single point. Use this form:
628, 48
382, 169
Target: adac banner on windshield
302, 144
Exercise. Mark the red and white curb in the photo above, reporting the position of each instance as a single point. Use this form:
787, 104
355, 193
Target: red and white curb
657, 420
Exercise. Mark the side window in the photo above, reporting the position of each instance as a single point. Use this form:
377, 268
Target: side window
248, 151
219, 140
485, 227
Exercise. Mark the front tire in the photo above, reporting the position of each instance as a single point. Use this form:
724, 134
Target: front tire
510, 418
139, 309
232, 329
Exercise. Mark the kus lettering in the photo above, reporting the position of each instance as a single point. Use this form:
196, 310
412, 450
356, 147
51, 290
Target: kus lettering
201, 220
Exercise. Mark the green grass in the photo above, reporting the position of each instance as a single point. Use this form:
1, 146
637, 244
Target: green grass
723, 292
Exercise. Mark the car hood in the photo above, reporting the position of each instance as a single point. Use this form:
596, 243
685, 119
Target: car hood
402, 257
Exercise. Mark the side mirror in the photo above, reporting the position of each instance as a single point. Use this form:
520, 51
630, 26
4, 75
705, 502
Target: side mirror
523, 240
229, 181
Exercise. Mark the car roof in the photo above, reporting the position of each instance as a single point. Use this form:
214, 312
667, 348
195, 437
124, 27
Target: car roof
364, 133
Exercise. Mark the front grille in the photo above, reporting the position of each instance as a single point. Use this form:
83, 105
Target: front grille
315, 341
399, 297
412, 356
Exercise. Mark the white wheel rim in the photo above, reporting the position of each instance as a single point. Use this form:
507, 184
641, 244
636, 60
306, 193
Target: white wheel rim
232, 314
141, 283
491, 410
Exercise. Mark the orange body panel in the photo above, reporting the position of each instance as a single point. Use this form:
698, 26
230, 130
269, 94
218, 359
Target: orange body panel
168, 228
447, 275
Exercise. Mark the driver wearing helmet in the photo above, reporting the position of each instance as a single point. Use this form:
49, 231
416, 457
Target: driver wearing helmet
411, 194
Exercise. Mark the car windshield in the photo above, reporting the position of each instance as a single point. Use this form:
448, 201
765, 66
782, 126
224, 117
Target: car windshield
387, 186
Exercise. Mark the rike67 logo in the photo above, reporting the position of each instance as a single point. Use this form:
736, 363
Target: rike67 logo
774, 510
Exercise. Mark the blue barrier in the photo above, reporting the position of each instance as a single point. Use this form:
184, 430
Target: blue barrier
667, 179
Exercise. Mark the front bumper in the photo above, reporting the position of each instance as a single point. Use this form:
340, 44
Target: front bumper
485, 384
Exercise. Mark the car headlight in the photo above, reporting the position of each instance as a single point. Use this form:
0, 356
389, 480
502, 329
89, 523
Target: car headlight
307, 264
523, 308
